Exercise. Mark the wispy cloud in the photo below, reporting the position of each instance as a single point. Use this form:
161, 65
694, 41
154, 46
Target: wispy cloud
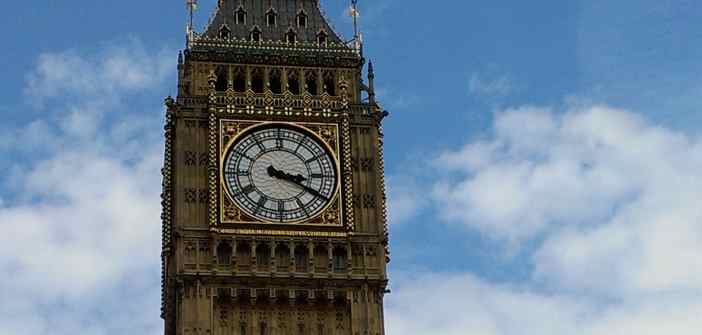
85, 211
487, 86
608, 204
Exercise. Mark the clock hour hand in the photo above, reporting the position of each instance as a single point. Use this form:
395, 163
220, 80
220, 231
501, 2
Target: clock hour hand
273, 172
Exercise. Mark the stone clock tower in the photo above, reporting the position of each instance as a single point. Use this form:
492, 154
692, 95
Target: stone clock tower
274, 219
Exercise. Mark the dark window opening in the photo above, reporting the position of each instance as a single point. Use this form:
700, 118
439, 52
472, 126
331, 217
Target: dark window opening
240, 16
224, 32
239, 81
271, 17
311, 83
224, 253
339, 259
263, 255
291, 37
301, 259
274, 82
302, 20
257, 81
329, 83
322, 38
242, 328
256, 35
264, 328
221, 83
293, 84
243, 256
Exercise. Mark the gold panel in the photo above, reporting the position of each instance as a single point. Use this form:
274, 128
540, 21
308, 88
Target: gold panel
233, 220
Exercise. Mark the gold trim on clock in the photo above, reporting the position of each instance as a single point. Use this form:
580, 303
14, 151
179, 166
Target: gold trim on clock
229, 133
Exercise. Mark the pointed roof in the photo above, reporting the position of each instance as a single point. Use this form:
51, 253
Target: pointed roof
286, 13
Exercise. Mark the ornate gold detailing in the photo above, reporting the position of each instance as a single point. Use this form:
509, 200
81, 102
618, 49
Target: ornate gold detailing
273, 232
212, 170
383, 195
348, 174
226, 133
324, 103
167, 200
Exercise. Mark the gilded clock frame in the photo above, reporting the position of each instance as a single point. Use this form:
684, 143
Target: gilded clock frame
335, 218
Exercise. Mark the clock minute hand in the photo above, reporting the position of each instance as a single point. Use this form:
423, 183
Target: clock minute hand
310, 190
297, 180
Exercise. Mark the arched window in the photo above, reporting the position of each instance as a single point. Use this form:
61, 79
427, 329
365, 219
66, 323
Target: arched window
271, 17
329, 83
239, 80
321, 259
222, 82
224, 32
282, 258
293, 82
224, 253
301, 259
301, 19
291, 36
263, 257
339, 259
257, 80
240, 15
243, 256
311, 82
274, 81
322, 38
256, 35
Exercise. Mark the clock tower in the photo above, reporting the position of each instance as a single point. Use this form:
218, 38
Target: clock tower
274, 217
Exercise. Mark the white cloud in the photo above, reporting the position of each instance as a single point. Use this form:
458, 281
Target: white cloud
459, 304
83, 213
490, 86
610, 207
404, 202
123, 67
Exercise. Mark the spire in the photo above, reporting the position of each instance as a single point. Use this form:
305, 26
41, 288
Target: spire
371, 84
192, 7
353, 11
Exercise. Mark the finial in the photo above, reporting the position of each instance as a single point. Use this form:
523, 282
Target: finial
356, 34
180, 57
371, 83
192, 7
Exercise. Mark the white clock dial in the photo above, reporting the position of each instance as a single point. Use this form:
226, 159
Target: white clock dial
280, 173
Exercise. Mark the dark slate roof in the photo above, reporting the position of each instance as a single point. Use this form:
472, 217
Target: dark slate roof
286, 10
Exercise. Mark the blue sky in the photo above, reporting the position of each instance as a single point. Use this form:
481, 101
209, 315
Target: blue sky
544, 163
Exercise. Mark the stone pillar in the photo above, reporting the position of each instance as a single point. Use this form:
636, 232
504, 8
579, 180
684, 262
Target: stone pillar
310, 257
274, 256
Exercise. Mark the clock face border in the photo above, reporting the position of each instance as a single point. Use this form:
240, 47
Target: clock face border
326, 134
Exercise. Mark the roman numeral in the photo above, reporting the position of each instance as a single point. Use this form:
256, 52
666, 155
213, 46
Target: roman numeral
302, 206
243, 155
261, 203
312, 159
317, 175
248, 189
258, 142
279, 140
281, 209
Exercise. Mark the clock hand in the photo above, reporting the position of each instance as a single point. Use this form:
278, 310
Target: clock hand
297, 180
311, 191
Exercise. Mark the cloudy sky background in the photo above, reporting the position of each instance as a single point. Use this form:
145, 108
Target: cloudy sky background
544, 164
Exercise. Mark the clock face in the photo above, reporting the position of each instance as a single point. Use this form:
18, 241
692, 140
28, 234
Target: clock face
279, 173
